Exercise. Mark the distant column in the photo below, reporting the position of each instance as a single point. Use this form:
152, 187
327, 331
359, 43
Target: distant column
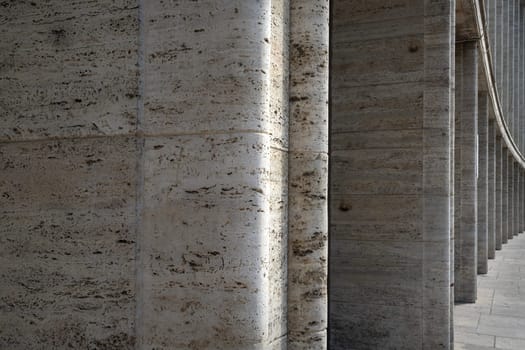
516, 199
516, 75
510, 169
510, 174
499, 192
498, 44
504, 195
491, 190
483, 214
522, 192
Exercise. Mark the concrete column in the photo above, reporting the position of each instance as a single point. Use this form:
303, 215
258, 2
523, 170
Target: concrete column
499, 192
522, 216
390, 200
510, 172
491, 199
500, 31
452, 122
308, 179
522, 199
483, 213
492, 18
466, 153
516, 199
213, 232
505, 79
522, 79
510, 76
504, 196
516, 75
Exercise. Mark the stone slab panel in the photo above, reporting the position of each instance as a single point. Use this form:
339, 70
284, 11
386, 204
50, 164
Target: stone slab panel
68, 244
68, 69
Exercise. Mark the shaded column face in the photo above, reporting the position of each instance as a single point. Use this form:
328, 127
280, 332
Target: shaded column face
516, 199
498, 38
522, 191
483, 188
491, 199
499, 192
516, 75
505, 196
466, 167
510, 208
390, 168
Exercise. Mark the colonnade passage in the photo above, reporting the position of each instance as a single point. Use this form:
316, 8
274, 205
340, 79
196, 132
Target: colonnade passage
249, 175
427, 169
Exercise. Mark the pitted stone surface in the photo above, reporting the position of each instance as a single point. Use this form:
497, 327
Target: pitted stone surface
214, 219
69, 68
67, 243
308, 176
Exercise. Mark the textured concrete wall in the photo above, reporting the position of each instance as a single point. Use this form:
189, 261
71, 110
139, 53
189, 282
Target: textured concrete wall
390, 201
466, 169
68, 96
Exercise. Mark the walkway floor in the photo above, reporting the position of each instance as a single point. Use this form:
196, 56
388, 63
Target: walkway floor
497, 320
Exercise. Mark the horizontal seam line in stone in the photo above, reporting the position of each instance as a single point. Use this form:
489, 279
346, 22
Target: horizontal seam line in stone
131, 135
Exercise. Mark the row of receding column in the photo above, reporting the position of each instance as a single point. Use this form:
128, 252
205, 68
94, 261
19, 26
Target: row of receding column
423, 187
505, 27
488, 181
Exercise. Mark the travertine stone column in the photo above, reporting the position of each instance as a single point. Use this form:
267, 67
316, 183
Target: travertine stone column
452, 122
522, 205
466, 153
522, 80
492, 18
504, 196
68, 96
510, 172
516, 199
510, 80
390, 147
212, 248
499, 191
513, 189
499, 54
516, 75
308, 169
491, 199
520, 198
504, 91
483, 213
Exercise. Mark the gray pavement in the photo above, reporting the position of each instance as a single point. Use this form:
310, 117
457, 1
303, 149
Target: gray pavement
497, 319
